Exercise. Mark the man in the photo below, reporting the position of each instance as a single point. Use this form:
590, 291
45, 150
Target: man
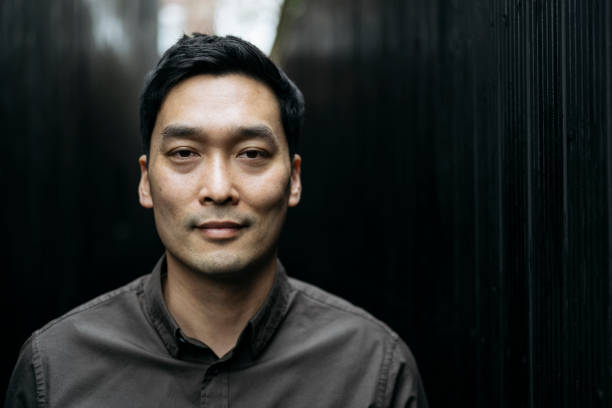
217, 323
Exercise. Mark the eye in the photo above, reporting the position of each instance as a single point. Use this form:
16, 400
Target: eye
183, 154
253, 154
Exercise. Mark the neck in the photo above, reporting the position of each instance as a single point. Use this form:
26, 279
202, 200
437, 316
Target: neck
215, 311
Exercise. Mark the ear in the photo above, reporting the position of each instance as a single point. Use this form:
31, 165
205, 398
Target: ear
295, 192
144, 188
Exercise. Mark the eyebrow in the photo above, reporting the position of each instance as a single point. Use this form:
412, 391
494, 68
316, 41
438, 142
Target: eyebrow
181, 132
256, 132
178, 131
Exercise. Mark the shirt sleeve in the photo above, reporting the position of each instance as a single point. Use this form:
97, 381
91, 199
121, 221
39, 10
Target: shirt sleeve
405, 388
21, 392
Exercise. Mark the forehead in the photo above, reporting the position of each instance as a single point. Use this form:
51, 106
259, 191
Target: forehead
217, 101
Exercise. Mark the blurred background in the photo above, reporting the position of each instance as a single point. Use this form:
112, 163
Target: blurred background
457, 173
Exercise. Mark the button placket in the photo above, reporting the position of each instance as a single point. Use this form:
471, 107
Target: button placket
215, 386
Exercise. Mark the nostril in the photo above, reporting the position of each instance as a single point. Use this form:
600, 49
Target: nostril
226, 199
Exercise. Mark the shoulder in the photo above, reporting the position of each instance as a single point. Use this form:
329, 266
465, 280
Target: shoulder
70, 342
330, 319
347, 336
105, 307
325, 305
109, 318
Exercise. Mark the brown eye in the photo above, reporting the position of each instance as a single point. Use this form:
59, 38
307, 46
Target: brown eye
183, 154
253, 154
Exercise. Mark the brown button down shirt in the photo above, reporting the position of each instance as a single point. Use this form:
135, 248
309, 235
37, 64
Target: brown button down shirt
303, 348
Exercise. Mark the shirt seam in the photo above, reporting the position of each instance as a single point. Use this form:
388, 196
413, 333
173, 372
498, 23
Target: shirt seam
134, 286
351, 311
383, 379
41, 397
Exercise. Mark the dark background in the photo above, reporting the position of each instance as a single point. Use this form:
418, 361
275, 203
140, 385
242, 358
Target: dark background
457, 178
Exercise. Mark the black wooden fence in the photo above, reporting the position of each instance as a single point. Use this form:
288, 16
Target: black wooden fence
457, 161
70, 72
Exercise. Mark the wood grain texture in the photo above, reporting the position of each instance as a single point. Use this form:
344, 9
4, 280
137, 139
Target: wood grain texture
478, 132
71, 73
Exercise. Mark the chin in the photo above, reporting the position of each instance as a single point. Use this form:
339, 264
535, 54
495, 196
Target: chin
218, 264
223, 265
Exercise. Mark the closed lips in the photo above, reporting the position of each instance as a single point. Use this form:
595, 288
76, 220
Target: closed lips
220, 225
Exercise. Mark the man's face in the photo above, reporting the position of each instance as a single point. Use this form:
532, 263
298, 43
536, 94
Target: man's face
219, 177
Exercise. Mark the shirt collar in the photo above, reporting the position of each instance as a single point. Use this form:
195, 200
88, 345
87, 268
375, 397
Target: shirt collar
260, 327
269, 316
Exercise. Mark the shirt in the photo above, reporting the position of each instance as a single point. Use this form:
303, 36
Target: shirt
303, 348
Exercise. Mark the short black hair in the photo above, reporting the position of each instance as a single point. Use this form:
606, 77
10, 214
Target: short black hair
211, 54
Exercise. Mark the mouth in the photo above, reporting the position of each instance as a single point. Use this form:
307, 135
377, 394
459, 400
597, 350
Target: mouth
220, 229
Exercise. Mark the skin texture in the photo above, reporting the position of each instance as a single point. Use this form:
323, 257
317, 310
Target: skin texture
219, 180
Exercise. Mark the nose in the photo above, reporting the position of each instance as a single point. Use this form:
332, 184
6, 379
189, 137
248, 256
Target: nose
217, 187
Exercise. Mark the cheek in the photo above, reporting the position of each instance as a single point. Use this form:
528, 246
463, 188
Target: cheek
267, 194
170, 194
